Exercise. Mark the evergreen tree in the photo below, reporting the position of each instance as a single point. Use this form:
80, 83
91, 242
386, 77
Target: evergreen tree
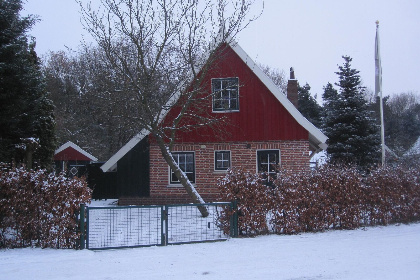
353, 134
308, 105
26, 113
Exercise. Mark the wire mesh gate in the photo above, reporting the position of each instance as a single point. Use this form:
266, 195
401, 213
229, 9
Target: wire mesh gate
137, 226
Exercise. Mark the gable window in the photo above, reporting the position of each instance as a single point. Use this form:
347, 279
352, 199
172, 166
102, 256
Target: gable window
267, 162
185, 160
225, 94
221, 160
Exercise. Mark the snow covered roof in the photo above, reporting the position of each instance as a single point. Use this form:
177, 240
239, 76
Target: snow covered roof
316, 138
70, 144
414, 150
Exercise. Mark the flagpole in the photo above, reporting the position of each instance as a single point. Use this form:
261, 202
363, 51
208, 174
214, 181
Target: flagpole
378, 89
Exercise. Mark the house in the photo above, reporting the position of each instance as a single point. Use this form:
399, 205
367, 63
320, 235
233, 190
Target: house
263, 129
72, 159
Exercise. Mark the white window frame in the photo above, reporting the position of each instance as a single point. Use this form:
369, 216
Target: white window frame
222, 110
170, 170
267, 150
215, 160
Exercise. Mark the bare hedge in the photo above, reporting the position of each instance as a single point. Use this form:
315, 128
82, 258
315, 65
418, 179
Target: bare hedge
39, 209
331, 197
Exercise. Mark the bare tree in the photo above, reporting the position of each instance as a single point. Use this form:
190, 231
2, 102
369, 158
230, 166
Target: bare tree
162, 50
86, 107
277, 76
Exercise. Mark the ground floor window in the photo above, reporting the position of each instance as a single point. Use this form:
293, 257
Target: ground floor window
268, 161
185, 160
221, 160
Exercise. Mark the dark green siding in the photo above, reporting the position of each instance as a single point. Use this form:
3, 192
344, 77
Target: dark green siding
104, 185
133, 177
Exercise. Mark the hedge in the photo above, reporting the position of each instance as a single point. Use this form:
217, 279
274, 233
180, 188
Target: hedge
331, 197
39, 208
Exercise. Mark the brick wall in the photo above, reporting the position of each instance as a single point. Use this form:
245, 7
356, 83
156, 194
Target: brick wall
293, 155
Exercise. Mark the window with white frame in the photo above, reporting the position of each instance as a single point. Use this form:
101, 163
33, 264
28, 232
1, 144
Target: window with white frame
185, 160
268, 161
225, 93
221, 160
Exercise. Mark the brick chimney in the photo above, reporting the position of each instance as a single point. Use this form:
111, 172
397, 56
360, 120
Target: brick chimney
292, 88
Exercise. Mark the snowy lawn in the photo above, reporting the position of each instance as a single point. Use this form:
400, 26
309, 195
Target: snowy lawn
391, 252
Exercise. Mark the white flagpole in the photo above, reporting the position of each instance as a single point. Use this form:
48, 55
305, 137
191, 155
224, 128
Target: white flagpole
378, 89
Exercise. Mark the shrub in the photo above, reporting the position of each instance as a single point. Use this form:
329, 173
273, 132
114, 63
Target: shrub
393, 195
331, 197
38, 208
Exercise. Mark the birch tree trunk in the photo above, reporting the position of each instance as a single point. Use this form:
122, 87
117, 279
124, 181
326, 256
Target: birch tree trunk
183, 179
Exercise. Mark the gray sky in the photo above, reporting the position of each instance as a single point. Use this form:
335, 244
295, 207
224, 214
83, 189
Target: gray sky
310, 35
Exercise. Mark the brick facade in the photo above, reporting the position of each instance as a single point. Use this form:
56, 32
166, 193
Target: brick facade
293, 155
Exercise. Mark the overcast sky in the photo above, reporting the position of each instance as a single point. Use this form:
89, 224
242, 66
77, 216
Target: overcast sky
309, 35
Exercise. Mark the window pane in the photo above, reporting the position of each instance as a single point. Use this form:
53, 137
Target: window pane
217, 85
272, 168
224, 83
233, 104
263, 159
189, 167
225, 95
181, 162
174, 178
190, 177
217, 104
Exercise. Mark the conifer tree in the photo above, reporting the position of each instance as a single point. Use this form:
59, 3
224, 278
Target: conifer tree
308, 105
26, 113
352, 132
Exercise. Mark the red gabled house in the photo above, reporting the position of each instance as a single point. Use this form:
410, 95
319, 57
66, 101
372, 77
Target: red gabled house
263, 128
72, 159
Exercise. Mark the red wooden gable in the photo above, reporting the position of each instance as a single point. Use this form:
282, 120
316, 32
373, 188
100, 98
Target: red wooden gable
261, 116
71, 154
70, 151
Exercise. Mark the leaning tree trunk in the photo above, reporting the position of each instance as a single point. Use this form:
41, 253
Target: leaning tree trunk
183, 179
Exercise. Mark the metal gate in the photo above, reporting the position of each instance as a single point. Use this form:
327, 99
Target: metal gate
137, 226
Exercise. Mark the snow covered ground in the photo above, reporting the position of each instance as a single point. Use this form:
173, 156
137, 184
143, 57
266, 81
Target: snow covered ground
391, 252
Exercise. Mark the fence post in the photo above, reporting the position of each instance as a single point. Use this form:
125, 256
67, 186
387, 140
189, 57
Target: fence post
234, 219
82, 226
164, 225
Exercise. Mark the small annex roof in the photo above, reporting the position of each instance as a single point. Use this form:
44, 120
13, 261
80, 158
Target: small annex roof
317, 139
70, 144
